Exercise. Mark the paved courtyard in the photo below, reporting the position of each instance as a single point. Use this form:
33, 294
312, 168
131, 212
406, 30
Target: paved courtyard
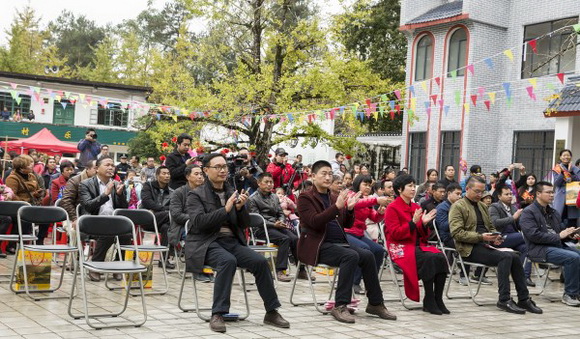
23, 318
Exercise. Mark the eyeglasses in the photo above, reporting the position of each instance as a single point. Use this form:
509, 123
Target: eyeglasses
478, 192
548, 192
219, 168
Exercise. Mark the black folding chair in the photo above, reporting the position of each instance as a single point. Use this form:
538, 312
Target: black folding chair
198, 310
107, 226
142, 217
10, 209
39, 215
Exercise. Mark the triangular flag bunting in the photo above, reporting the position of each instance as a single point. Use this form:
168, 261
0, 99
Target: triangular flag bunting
474, 99
470, 68
458, 97
508, 53
13, 85
412, 89
487, 104
531, 93
429, 112
533, 44
63, 103
392, 113
397, 94
424, 86
438, 81
453, 73
466, 107
434, 98
489, 63
440, 102
576, 28
560, 77
446, 109
533, 81
491, 97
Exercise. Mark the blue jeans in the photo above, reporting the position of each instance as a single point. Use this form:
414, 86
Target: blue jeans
367, 244
516, 242
570, 259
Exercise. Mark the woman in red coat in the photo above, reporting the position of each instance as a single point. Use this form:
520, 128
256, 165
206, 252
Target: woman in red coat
407, 246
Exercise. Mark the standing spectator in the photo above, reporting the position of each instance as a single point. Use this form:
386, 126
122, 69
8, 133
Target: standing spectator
432, 177
104, 151
179, 160
338, 160
5, 114
58, 184
297, 161
89, 148
31, 116
549, 240
101, 195
281, 170
17, 116
135, 163
156, 197
122, 168
527, 191
448, 176
563, 173
148, 172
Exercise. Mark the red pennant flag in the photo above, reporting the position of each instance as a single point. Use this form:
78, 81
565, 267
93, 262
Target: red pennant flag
397, 108
561, 77
392, 113
310, 118
332, 112
487, 104
434, 98
532, 44
474, 99
438, 81
368, 101
470, 68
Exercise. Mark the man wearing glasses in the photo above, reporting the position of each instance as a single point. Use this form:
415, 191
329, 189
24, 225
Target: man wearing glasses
550, 241
475, 238
219, 218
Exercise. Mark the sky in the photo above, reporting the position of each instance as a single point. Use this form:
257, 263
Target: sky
102, 11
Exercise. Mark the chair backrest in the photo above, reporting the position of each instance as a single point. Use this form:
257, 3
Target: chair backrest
57, 202
139, 217
42, 214
258, 221
10, 208
105, 225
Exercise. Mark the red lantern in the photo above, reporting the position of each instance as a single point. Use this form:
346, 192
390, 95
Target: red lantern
162, 158
348, 157
174, 139
165, 144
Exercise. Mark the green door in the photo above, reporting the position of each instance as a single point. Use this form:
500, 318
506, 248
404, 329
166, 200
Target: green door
64, 114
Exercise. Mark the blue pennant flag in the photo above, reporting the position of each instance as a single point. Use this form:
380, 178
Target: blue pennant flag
489, 63
412, 89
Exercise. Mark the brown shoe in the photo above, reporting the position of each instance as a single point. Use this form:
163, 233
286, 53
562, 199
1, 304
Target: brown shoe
275, 319
342, 314
95, 276
381, 311
303, 276
283, 277
217, 323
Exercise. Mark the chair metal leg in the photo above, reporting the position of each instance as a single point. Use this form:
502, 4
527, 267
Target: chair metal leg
180, 298
162, 291
402, 298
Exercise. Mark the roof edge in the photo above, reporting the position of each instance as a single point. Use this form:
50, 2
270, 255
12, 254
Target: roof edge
409, 27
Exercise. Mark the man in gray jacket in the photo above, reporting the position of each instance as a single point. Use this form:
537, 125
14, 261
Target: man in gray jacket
266, 203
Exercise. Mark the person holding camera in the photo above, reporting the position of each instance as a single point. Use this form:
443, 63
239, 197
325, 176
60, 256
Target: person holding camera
89, 148
549, 240
179, 160
475, 238
282, 172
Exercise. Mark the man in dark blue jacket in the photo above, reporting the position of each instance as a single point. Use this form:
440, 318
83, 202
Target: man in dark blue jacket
550, 241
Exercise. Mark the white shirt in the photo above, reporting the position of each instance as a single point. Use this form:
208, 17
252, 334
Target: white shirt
107, 208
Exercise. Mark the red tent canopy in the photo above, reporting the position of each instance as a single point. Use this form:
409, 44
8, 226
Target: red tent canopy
44, 142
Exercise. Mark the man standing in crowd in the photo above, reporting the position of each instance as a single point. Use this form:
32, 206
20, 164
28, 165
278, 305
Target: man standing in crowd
550, 241
104, 151
219, 218
448, 176
179, 160
122, 168
89, 148
135, 163
281, 170
338, 160
101, 195
156, 197
505, 217
323, 241
266, 203
70, 196
472, 230
148, 172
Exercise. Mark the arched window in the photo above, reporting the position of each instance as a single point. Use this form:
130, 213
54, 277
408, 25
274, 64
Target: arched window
423, 65
457, 52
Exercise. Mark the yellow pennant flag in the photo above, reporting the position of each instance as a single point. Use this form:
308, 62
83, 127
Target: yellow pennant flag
491, 97
533, 81
466, 107
508, 53
300, 118
413, 103
376, 114
57, 97
174, 117
424, 86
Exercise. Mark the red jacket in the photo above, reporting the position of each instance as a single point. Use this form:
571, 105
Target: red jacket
282, 175
313, 220
55, 187
363, 210
578, 201
401, 242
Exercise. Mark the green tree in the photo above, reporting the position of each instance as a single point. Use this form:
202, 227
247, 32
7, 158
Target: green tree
104, 66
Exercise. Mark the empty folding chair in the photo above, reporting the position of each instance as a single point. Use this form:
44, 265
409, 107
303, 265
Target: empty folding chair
107, 226
198, 310
144, 217
39, 215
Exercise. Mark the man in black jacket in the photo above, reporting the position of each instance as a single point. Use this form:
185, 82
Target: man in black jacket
505, 217
101, 195
550, 241
156, 196
219, 217
179, 160
266, 203
122, 168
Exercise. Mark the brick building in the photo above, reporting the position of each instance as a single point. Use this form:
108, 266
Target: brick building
444, 39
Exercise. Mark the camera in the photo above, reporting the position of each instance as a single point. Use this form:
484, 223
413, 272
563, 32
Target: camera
94, 136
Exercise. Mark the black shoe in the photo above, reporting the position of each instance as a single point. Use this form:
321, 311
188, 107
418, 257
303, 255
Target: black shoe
95, 276
275, 319
217, 323
530, 283
441, 306
11, 250
168, 265
429, 305
530, 306
3, 255
201, 277
510, 306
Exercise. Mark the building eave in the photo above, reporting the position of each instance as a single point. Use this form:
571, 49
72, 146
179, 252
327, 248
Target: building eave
410, 27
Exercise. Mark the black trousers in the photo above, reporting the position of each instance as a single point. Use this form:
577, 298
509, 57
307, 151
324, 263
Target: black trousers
286, 240
162, 219
507, 263
348, 259
103, 245
225, 255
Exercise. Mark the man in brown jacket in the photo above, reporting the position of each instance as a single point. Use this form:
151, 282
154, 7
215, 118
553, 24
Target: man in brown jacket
322, 240
70, 196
